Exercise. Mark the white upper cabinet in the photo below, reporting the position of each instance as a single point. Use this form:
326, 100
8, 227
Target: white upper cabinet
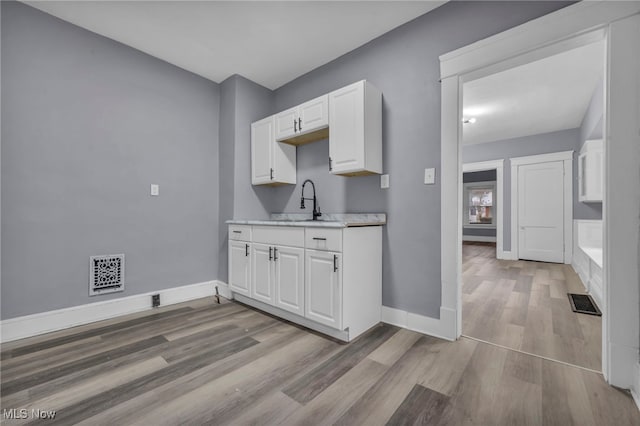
304, 123
590, 172
350, 117
355, 130
271, 162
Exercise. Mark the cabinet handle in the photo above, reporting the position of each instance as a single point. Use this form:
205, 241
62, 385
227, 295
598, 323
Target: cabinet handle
246, 249
270, 256
299, 124
271, 173
237, 232
335, 263
275, 254
330, 164
319, 238
295, 129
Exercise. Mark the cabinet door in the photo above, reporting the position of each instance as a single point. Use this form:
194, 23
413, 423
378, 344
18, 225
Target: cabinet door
262, 273
289, 279
346, 131
286, 123
323, 287
239, 267
313, 115
262, 142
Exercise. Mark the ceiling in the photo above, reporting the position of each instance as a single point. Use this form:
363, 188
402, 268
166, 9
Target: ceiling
544, 96
268, 42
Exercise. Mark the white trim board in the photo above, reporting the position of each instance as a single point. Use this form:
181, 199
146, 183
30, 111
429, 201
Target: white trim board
59, 319
567, 158
441, 328
498, 166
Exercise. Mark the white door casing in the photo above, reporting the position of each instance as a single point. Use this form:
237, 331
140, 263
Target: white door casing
541, 212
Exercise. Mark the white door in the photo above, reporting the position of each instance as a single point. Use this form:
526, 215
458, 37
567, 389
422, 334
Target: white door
541, 211
314, 114
346, 131
289, 279
287, 124
239, 267
262, 273
323, 288
262, 151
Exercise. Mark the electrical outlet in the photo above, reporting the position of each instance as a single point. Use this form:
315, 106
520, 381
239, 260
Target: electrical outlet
429, 176
155, 189
384, 181
155, 300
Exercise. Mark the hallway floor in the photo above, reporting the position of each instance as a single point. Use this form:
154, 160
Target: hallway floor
523, 305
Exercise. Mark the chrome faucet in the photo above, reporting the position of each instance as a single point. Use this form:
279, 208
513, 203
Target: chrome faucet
316, 206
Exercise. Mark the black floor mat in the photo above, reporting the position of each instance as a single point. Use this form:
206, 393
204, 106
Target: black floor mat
583, 304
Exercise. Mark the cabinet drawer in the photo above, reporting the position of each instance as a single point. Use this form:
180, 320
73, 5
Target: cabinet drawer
323, 239
279, 235
240, 232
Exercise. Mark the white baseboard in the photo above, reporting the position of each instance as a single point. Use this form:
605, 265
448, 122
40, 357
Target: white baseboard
479, 238
506, 255
45, 322
443, 328
223, 289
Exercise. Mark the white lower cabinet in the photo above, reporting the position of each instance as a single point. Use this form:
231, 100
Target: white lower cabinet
289, 279
329, 280
240, 267
323, 287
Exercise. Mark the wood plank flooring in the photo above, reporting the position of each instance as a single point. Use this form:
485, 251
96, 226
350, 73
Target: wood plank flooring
524, 305
201, 363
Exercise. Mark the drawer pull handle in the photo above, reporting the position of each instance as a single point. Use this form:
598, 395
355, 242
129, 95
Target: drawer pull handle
335, 263
319, 238
237, 232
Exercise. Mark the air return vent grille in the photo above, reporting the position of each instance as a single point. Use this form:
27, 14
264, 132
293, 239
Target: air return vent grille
106, 274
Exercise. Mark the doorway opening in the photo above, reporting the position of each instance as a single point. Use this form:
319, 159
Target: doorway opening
530, 122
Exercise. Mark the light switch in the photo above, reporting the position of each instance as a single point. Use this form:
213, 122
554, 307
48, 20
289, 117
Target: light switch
155, 189
384, 181
429, 176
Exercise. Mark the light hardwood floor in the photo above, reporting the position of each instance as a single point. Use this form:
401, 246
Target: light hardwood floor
524, 305
202, 363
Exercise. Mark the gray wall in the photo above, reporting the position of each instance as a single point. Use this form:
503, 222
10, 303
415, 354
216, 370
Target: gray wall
404, 65
564, 140
88, 125
482, 176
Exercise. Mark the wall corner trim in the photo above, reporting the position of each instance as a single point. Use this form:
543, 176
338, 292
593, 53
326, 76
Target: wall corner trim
443, 328
59, 319
635, 388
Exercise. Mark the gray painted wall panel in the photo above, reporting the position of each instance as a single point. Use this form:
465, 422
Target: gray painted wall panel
404, 65
88, 125
226, 168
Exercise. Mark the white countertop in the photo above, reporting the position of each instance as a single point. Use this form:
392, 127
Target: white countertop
327, 220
